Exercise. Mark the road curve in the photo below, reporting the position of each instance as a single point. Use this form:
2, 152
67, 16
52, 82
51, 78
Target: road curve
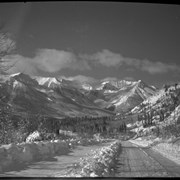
136, 161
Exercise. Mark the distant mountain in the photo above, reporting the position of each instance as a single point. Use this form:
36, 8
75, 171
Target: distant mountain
48, 96
123, 95
74, 96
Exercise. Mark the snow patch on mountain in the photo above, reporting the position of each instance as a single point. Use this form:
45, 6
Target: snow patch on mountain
105, 82
87, 87
15, 74
120, 101
110, 91
16, 83
153, 99
49, 99
48, 81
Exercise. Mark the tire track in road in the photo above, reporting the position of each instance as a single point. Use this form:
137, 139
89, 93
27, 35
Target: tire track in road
171, 167
139, 162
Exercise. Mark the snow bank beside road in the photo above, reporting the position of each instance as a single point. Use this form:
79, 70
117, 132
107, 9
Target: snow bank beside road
14, 154
169, 150
167, 147
144, 142
99, 164
102, 161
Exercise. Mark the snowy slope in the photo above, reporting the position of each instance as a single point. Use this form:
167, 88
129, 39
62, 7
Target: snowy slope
164, 107
130, 95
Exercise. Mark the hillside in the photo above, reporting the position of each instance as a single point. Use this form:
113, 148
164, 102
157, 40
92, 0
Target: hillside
159, 114
122, 95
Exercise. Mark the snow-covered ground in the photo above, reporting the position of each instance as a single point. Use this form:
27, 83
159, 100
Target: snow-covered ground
12, 154
170, 130
146, 142
169, 148
30, 151
99, 163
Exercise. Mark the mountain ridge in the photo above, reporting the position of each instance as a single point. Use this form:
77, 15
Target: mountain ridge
68, 97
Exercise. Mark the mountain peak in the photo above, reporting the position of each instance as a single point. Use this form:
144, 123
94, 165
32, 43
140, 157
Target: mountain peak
23, 78
48, 81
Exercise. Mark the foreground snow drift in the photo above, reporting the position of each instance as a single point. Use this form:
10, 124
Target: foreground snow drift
13, 154
99, 164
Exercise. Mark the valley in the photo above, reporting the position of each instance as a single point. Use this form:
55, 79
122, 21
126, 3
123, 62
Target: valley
70, 110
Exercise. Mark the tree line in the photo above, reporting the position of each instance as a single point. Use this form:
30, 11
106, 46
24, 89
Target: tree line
16, 128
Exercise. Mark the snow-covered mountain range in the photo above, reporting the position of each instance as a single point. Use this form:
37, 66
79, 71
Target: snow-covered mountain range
61, 96
122, 95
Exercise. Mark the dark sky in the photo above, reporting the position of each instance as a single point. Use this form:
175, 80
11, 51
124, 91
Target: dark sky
118, 39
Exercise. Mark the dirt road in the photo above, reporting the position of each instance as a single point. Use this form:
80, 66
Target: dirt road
136, 161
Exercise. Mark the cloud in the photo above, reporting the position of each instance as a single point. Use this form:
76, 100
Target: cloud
158, 67
81, 78
152, 67
108, 58
47, 60
52, 60
110, 79
22, 64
